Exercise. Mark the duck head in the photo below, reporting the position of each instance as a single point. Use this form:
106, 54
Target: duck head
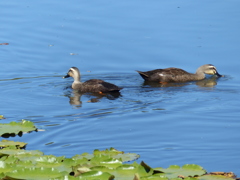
73, 72
211, 69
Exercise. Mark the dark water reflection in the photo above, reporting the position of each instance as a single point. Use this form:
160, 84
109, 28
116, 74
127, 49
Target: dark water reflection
75, 97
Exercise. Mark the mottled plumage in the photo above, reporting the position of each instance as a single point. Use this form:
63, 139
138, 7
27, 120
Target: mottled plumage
92, 85
178, 75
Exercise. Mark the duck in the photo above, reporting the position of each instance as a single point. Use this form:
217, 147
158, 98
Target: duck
92, 85
173, 74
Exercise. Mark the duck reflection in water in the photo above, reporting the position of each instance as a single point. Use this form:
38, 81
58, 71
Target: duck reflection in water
75, 97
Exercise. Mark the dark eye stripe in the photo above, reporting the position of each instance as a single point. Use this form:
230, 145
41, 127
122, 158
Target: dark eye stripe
212, 68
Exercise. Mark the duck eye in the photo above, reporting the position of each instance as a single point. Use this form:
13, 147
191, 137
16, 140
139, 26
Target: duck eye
213, 68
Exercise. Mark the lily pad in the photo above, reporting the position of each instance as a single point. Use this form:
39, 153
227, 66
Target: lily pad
93, 175
4, 167
107, 154
35, 173
16, 128
114, 153
16, 163
50, 161
155, 178
105, 161
188, 170
86, 156
19, 152
129, 170
6, 143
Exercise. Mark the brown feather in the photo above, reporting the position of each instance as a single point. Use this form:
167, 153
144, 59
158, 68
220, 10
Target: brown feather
177, 75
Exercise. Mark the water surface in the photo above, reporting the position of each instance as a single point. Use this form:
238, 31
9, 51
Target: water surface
195, 122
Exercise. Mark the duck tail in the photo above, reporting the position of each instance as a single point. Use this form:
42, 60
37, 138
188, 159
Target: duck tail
144, 76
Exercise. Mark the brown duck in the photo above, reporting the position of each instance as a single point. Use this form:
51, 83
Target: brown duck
92, 85
178, 75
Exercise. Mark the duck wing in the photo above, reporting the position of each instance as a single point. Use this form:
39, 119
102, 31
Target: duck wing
98, 85
163, 75
152, 75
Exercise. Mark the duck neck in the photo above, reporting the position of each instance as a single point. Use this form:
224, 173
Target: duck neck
77, 80
199, 74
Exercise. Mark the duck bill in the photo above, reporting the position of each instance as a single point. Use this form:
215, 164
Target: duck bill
67, 76
218, 75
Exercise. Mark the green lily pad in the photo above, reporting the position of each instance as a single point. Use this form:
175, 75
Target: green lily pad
2, 175
111, 151
114, 153
16, 163
127, 157
12, 150
103, 160
187, 170
9, 159
4, 167
6, 143
84, 156
50, 161
16, 128
129, 171
154, 177
96, 175
35, 173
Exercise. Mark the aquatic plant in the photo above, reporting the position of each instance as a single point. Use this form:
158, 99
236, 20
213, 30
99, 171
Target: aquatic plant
18, 163
16, 128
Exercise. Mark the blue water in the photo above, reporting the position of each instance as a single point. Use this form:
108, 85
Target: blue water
192, 123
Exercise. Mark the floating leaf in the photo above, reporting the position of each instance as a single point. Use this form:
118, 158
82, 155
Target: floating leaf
127, 157
2, 117
14, 128
114, 153
19, 152
187, 170
9, 159
93, 175
50, 161
106, 161
2, 175
83, 156
6, 143
17, 163
156, 177
35, 173
109, 153
4, 167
